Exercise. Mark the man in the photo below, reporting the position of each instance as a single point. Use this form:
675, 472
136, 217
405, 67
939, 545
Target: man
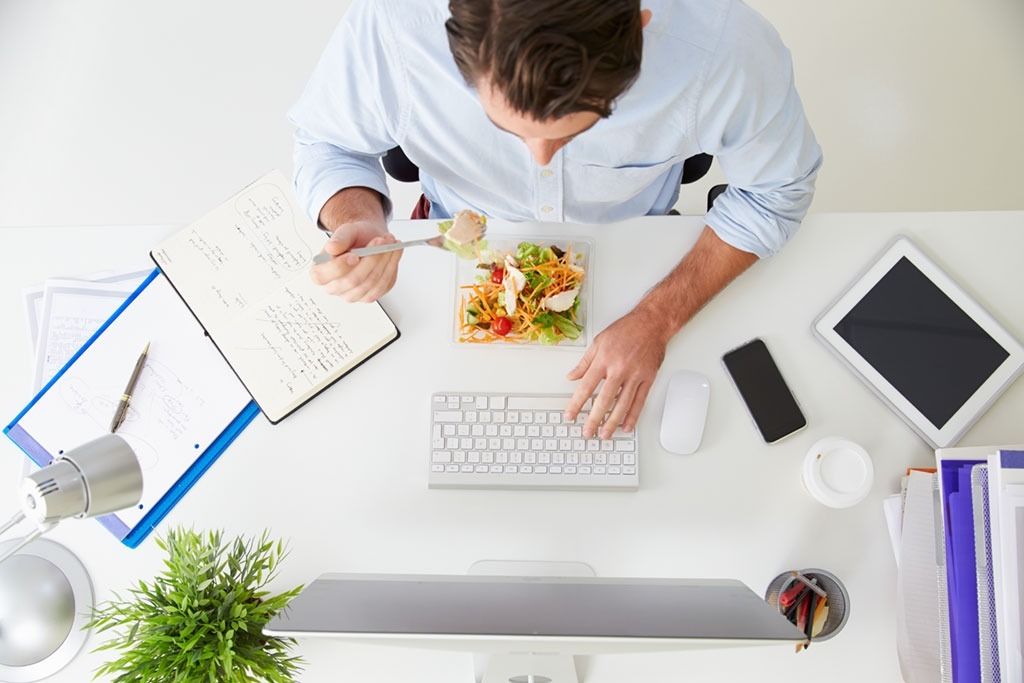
560, 110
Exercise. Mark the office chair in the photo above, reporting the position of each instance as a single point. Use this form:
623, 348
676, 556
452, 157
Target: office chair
397, 165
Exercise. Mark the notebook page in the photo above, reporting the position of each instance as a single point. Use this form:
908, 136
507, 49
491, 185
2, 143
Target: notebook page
244, 271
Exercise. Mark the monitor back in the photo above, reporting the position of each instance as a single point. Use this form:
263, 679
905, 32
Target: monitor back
493, 613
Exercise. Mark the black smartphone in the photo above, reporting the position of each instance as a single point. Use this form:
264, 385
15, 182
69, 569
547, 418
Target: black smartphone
768, 398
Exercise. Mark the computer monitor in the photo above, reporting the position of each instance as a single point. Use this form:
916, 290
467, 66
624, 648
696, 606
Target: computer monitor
533, 628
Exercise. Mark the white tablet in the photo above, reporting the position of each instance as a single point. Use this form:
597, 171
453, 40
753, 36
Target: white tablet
922, 343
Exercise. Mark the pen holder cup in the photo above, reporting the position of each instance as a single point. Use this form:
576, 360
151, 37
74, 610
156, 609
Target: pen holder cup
838, 598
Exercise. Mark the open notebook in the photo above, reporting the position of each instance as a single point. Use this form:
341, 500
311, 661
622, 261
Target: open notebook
243, 270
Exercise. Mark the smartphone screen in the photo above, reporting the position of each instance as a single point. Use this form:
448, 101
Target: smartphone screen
768, 398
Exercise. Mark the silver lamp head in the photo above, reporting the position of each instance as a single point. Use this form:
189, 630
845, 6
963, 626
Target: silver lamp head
98, 477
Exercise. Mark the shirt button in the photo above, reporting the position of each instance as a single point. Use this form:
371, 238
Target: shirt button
546, 173
547, 208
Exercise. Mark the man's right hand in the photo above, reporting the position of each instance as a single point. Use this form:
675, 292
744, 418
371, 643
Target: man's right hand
356, 217
353, 278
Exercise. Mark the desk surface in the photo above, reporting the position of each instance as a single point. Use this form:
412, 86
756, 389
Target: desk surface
348, 490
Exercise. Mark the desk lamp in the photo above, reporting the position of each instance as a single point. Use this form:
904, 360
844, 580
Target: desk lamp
45, 592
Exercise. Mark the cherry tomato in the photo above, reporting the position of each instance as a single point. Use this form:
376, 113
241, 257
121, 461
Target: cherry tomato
501, 326
497, 275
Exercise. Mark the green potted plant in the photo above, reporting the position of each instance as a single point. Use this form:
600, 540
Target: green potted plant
202, 618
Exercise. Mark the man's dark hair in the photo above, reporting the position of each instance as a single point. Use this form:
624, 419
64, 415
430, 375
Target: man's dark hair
549, 58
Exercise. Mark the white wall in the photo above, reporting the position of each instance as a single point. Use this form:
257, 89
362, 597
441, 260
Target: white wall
142, 112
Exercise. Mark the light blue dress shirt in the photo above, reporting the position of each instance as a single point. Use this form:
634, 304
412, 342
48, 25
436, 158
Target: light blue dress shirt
715, 78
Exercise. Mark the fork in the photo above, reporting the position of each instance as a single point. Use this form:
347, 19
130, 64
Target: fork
435, 241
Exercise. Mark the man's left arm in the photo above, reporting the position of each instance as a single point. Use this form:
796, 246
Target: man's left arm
751, 119
628, 353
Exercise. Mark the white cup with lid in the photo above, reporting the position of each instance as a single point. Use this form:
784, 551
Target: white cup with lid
838, 472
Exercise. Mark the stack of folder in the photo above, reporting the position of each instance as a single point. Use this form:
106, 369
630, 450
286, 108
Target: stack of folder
960, 577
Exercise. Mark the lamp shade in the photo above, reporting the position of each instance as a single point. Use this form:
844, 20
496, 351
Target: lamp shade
98, 477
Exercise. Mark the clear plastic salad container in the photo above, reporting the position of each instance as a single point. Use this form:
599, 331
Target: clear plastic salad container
467, 273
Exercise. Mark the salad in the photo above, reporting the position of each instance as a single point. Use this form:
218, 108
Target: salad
527, 295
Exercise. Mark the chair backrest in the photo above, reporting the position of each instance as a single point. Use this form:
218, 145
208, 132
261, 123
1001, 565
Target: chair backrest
398, 166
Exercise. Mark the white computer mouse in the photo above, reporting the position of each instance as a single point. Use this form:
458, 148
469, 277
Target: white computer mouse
686, 407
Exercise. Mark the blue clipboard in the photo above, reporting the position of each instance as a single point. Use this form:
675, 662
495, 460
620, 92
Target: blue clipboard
132, 535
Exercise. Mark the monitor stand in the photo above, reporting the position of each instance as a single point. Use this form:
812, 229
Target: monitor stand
530, 667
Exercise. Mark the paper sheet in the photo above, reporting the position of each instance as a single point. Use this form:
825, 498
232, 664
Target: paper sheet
917, 591
72, 311
892, 506
36, 315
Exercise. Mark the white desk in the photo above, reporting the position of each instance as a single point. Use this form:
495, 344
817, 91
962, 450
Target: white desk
348, 490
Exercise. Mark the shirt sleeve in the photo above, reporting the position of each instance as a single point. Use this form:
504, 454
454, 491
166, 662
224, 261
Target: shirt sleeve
350, 111
750, 117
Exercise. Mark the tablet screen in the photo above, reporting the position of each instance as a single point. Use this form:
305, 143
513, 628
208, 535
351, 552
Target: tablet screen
922, 342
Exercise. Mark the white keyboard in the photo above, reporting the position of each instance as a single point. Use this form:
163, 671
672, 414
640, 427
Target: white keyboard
518, 441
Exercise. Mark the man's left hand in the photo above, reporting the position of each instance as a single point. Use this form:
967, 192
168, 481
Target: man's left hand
626, 356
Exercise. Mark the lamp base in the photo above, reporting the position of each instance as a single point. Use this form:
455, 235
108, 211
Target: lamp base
46, 599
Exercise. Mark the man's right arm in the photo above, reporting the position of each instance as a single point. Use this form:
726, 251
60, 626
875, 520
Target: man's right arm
348, 115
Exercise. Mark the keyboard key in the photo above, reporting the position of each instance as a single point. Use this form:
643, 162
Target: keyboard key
536, 403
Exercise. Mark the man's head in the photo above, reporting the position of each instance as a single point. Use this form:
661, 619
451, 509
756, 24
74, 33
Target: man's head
547, 70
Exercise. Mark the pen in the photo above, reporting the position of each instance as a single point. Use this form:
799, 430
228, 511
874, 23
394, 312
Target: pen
126, 397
